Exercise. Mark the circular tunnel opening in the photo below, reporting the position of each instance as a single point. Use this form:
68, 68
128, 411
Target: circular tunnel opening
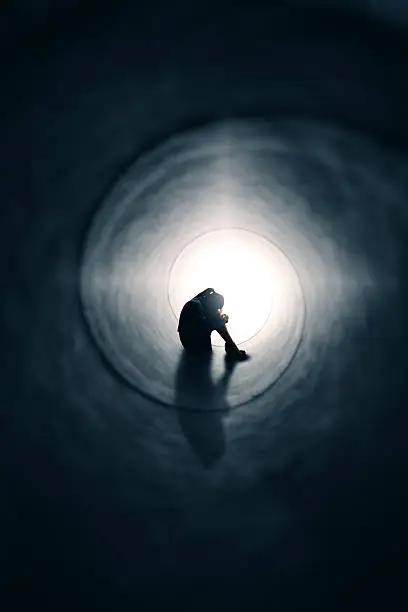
248, 270
186, 217
216, 207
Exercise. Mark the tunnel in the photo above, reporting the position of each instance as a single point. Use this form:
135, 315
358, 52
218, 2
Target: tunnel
150, 151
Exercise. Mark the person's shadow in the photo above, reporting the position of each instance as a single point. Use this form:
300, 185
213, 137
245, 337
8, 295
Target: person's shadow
202, 404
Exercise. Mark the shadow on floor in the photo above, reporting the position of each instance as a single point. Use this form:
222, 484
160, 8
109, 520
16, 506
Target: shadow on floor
195, 388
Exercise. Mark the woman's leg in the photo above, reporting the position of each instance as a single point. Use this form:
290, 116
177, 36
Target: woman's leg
197, 343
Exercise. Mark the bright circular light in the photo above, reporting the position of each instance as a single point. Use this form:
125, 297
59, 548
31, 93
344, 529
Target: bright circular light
238, 264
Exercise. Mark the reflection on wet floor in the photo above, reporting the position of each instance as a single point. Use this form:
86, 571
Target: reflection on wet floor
196, 386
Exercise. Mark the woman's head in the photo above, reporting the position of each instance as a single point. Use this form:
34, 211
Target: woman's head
215, 300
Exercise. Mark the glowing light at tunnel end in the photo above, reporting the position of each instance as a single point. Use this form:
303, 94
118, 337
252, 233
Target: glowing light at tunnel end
240, 265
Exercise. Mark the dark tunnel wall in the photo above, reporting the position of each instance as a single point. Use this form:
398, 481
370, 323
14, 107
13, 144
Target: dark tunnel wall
24, 16
110, 500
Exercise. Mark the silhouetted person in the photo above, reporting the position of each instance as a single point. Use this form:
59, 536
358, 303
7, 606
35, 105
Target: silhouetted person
199, 317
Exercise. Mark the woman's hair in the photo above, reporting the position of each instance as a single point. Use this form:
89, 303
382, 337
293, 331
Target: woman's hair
215, 300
